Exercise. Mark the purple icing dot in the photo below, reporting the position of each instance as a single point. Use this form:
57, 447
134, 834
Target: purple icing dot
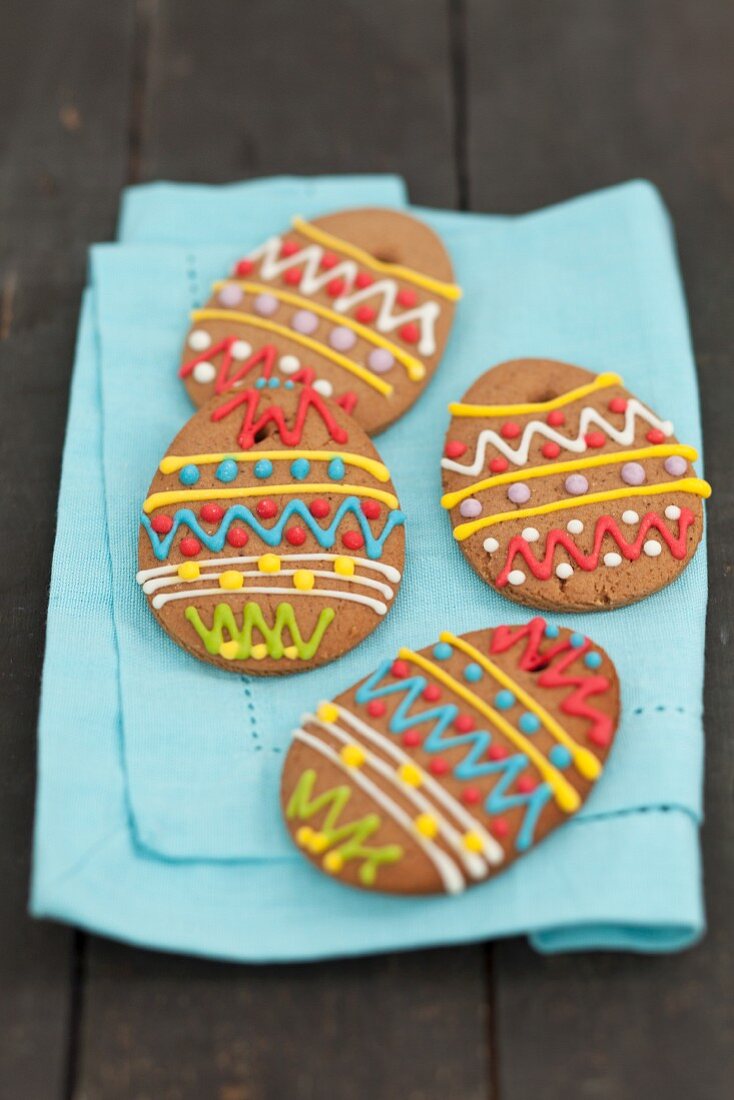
676, 466
305, 321
265, 304
632, 473
342, 339
576, 484
470, 508
518, 493
380, 360
231, 295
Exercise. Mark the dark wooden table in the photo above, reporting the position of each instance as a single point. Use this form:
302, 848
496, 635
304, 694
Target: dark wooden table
498, 105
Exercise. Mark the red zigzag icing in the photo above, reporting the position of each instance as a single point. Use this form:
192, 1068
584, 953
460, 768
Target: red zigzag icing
265, 355
251, 426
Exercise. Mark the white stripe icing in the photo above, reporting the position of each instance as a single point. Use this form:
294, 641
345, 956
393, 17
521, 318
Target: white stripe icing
388, 571
326, 593
165, 582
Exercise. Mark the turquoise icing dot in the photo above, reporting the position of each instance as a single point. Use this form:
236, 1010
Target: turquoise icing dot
288, 384
300, 468
577, 640
504, 699
442, 651
472, 673
559, 756
261, 384
226, 470
592, 659
189, 475
263, 468
274, 383
336, 469
551, 631
529, 723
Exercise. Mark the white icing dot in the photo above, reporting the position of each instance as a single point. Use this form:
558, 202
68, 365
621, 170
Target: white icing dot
204, 372
652, 548
490, 545
672, 512
612, 559
323, 387
516, 576
241, 349
564, 571
289, 364
630, 517
531, 534
199, 340
574, 526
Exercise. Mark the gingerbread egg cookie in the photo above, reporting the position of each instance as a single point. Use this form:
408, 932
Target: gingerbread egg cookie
271, 537
358, 304
444, 766
565, 491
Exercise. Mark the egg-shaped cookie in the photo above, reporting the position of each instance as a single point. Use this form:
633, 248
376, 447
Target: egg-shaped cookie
357, 304
567, 492
445, 765
271, 539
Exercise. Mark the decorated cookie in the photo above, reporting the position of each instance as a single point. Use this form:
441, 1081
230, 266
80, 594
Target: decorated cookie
445, 765
358, 304
271, 537
565, 491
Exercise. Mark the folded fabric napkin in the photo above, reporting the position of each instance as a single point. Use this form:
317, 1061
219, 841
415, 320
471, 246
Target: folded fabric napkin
160, 825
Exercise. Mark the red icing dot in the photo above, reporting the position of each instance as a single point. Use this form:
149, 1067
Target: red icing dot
296, 536
329, 260
655, 436
431, 692
371, 509
595, 439
161, 524
363, 280
411, 738
497, 752
211, 513
555, 418
454, 448
618, 405
525, 784
243, 268
267, 508
237, 537
365, 314
498, 465
407, 297
189, 547
335, 287
289, 248
499, 827
293, 276
353, 540
410, 333
510, 430
464, 723
400, 669
471, 795
550, 450
438, 766
376, 708
319, 508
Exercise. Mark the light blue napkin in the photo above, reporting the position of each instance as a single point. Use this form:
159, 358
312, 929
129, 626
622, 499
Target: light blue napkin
159, 824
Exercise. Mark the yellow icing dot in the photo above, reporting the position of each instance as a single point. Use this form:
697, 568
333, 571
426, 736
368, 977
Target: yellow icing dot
269, 563
291, 652
189, 570
333, 863
426, 825
231, 579
473, 842
229, 650
303, 579
259, 651
353, 756
318, 842
327, 712
410, 775
303, 836
344, 567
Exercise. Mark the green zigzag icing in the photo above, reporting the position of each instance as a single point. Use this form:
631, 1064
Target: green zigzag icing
253, 619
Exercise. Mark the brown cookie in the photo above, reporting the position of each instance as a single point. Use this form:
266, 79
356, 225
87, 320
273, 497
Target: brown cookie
359, 304
567, 492
446, 765
271, 538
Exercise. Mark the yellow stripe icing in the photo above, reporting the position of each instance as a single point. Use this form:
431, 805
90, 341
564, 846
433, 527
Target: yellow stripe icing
694, 485
414, 367
328, 240
175, 496
566, 796
602, 382
280, 330
587, 764
171, 463
448, 500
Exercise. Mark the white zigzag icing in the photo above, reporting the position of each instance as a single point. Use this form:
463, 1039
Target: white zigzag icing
589, 416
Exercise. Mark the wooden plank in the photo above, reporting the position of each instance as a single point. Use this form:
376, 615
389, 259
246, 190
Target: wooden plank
579, 96
235, 91
63, 131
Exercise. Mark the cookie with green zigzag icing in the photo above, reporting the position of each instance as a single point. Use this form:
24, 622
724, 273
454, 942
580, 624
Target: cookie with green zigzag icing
271, 539
445, 765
